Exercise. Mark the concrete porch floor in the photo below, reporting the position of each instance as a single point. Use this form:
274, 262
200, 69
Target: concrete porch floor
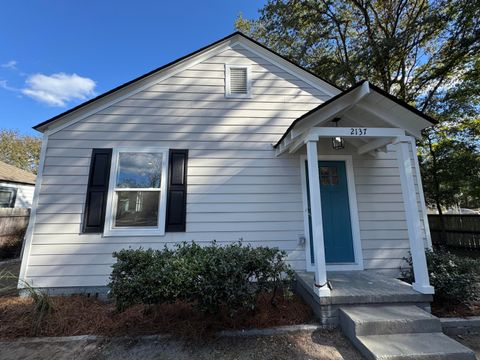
350, 288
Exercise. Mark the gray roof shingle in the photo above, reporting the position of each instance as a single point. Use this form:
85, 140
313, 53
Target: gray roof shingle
13, 174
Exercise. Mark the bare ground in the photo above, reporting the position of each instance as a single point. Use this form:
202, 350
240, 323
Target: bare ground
328, 345
325, 345
471, 340
9, 286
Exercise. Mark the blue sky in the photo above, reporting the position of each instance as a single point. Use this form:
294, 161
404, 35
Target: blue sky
57, 54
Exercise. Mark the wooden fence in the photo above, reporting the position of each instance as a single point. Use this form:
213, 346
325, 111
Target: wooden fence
461, 231
13, 223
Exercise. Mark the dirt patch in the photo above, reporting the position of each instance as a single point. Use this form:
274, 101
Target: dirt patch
8, 286
471, 341
11, 246
79, 315
325, 345
459, 310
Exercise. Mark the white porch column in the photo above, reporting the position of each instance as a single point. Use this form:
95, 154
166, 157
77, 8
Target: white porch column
417, 247
320, 286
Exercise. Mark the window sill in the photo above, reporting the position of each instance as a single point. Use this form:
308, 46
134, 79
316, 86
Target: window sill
238, 96
133, 232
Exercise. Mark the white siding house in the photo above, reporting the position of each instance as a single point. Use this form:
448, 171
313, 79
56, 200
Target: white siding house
16, 187
249, 120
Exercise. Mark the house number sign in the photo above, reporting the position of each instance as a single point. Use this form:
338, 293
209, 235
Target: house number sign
358, 131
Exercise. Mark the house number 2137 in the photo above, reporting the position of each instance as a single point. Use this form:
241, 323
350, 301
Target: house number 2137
358, 131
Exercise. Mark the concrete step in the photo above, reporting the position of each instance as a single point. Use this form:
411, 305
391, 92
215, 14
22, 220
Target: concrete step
399, 332
383, 320
419, 346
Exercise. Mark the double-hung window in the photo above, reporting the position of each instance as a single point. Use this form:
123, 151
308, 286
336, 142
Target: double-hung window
137, 192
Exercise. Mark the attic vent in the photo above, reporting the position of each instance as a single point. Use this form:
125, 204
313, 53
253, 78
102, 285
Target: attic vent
237, 81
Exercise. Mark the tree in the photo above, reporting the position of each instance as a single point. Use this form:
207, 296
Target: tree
22, 151
424, 52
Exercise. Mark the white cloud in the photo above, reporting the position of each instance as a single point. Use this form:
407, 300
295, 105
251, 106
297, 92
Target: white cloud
58, 89
4, 85
12, 64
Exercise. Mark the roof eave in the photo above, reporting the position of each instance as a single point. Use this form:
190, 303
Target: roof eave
342, 94
43, 126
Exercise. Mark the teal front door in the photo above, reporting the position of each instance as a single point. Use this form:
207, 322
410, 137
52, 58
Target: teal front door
337, 226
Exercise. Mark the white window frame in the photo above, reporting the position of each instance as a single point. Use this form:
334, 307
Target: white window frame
109, 229
13, 195
228, 93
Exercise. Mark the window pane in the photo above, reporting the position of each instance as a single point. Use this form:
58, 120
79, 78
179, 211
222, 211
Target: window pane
323, 170
325, 180
137, 208
139, 170
6, 197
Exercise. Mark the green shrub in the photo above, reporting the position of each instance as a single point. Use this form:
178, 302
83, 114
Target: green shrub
456, 279
206, 276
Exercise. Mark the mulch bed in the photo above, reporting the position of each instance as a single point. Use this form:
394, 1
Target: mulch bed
80, 315
442, 309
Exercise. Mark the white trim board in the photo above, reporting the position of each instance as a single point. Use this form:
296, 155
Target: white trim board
426, 225
228, 93
352, 197
289, 67
27, 243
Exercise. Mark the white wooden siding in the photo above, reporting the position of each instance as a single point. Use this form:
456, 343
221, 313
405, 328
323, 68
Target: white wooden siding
237, 188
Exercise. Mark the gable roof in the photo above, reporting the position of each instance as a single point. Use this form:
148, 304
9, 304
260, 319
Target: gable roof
42, 126
10, 173
378, 90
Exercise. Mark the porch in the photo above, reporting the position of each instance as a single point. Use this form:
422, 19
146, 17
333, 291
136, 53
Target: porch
362, 125
353, 288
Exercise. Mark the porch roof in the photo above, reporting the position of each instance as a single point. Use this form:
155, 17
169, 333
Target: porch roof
363, 99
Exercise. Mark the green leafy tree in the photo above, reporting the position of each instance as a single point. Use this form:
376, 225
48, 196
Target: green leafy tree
22, 151
424, 52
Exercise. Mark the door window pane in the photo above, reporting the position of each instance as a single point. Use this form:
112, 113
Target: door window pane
139, 170
323, 170
137, 208
325, 180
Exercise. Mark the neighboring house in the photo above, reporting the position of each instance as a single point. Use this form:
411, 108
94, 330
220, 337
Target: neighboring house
230, 142
16, 187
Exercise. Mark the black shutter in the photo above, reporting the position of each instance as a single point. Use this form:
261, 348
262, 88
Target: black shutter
96, 200
177, 191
